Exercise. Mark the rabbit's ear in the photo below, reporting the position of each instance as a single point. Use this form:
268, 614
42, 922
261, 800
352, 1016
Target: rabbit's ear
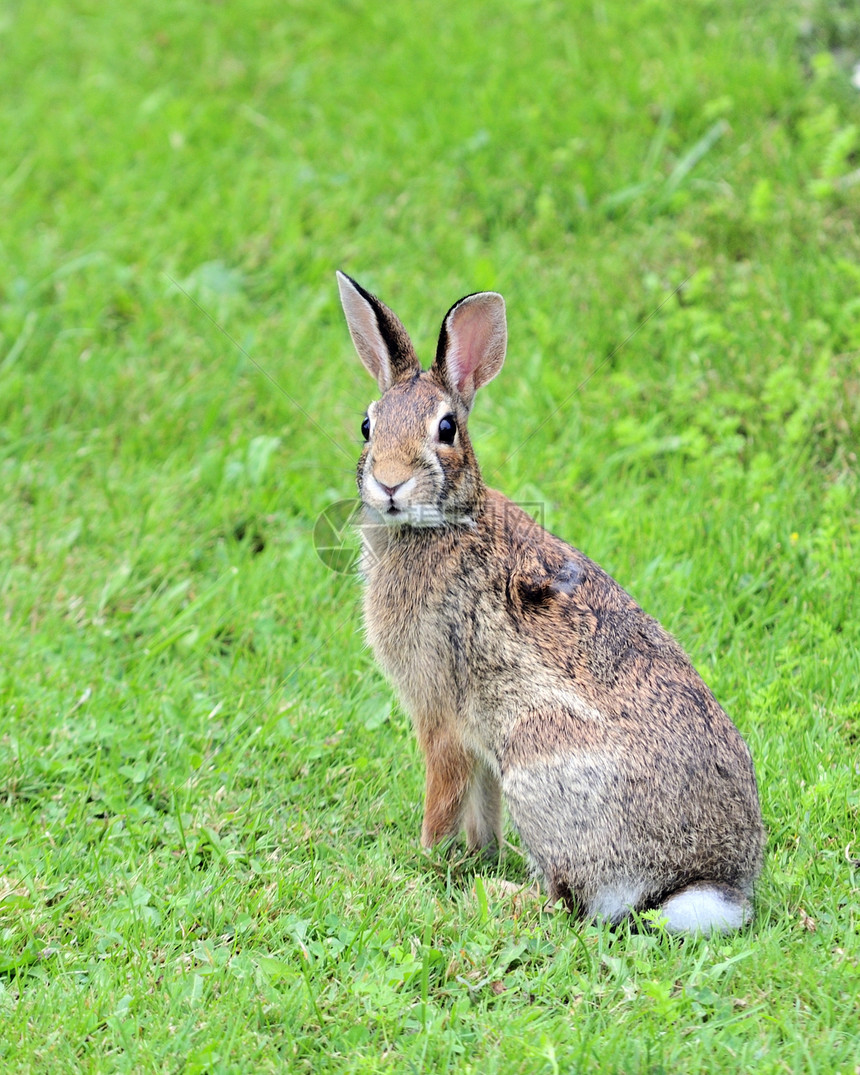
382, 342
472, 343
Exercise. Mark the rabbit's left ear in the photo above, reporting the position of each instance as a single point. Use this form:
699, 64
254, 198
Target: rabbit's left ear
472, 344
382, 342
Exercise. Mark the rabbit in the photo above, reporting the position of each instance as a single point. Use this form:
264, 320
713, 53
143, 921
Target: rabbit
529, 674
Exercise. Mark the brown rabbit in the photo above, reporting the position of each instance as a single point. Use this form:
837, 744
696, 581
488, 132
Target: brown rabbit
528, 672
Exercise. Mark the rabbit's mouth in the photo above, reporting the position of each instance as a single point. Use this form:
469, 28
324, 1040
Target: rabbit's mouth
415, 515
423, 517
420, 516
409, 504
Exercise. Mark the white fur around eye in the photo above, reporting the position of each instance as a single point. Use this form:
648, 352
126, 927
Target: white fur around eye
370, 415
445, 408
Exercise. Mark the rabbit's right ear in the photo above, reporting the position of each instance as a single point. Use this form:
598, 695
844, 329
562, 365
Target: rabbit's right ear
472, 344
382, 342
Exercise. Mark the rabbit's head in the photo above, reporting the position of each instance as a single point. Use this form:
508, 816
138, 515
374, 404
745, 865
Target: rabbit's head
417, 467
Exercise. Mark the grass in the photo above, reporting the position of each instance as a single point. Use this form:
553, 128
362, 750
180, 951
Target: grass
210, 802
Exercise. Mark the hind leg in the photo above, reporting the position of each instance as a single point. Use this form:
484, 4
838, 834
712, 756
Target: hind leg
705, 908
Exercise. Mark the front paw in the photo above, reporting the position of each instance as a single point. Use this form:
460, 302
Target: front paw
437, 842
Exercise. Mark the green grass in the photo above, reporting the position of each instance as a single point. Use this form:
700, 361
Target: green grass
211, 805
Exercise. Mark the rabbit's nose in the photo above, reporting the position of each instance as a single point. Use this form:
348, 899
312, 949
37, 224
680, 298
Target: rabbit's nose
391, 477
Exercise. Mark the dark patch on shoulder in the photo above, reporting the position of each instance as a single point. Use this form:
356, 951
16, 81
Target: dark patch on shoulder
540, 590
531, 595
568, 577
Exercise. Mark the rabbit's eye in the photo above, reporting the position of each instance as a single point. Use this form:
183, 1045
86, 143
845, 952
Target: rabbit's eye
447, 429
365, 429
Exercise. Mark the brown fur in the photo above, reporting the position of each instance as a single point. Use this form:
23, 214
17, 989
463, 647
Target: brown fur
527, 670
